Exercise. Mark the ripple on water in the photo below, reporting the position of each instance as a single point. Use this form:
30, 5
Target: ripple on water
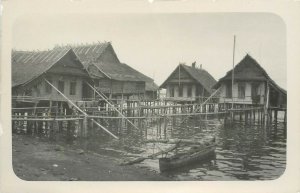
242, 153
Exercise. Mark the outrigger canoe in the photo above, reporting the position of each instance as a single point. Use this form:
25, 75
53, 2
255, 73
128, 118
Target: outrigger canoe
190, 157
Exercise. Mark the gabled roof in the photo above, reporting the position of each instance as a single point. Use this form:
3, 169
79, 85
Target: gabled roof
88, 53
199, 75
28, 65
255, 73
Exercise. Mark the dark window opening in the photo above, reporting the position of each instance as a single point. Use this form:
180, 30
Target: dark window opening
73, 88
97, 83
228, 90
254, 89
254, 93
61, 86
189, 91
241, 90
171, 91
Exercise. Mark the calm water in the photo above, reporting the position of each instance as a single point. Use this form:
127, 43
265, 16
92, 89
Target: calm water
243, 152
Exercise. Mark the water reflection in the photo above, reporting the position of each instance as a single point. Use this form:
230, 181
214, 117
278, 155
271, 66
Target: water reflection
244, 152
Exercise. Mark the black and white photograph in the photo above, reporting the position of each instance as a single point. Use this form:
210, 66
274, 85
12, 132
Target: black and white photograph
149, 97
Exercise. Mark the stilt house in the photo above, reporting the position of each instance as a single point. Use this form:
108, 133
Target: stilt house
252, 85
31, 69
110, 76
188, 83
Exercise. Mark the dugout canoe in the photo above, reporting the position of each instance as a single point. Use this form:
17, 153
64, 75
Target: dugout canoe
190, 157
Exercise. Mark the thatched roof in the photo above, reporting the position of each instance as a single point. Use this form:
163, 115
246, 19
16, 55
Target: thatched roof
199, 75
121, 72
28, 65
90, 54
248, 69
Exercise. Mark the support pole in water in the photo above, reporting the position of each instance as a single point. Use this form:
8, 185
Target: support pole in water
84, 113
266, 107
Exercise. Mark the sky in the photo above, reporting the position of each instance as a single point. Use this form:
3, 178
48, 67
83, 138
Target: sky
155, 43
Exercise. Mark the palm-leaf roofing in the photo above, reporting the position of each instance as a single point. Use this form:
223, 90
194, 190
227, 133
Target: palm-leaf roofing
201, 76
248, 69
90, 54
28, 65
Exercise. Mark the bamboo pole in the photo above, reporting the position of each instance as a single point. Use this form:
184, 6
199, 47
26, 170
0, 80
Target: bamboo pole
44, 119
112, 106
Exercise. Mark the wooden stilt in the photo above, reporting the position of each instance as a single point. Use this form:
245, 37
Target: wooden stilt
165, 126
271, 116
284, 121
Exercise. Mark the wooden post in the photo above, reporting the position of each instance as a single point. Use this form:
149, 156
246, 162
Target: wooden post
165, 126
258, 116
241, 116
206, 109
284, 121
225, 117
271, 116
262, 116
266, 104
174, 119
84, 127
275, 119
275, 116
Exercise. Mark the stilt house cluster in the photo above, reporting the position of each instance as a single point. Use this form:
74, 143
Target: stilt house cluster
251, 86
50, 88
70, 69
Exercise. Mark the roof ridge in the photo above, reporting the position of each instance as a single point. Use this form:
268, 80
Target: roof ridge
200, 69
78, 45
67, 45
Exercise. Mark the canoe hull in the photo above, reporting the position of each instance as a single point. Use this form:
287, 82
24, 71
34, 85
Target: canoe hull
174, 162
